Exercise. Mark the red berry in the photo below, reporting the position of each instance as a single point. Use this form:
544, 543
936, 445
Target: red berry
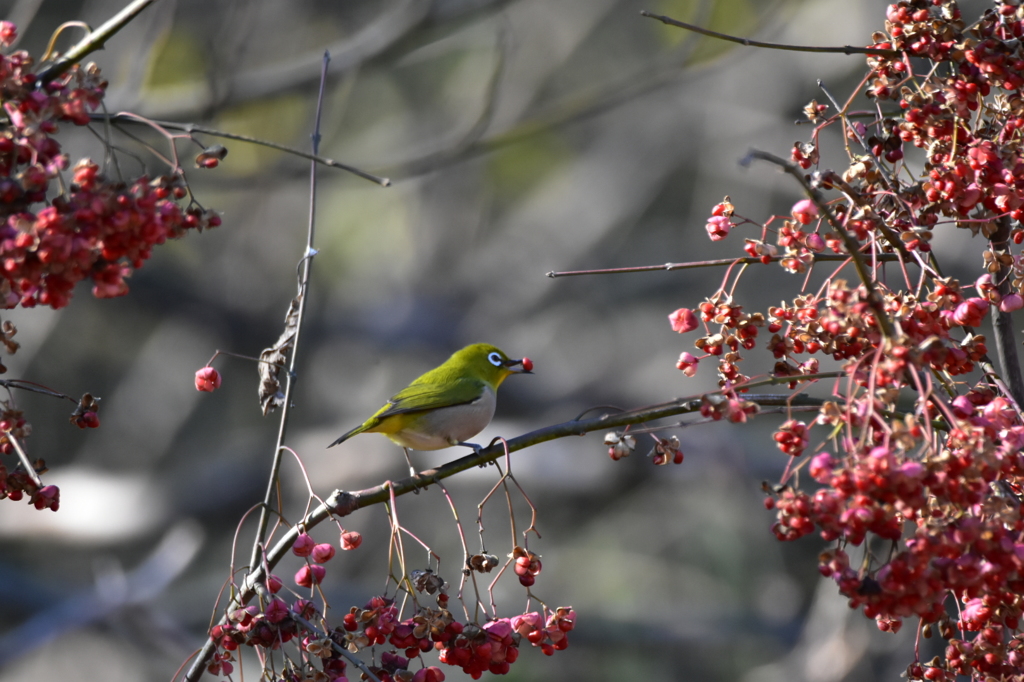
207, 379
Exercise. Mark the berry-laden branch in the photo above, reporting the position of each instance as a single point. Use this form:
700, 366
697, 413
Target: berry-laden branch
322, 650
271, 623
852, 247
941, 479
908, 448
96, 227
57, 231
272, 397
24, 480
344, 503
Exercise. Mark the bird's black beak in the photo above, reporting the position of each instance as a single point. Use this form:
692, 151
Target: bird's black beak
525, 366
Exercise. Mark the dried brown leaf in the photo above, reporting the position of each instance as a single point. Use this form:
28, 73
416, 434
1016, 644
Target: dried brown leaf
272, 359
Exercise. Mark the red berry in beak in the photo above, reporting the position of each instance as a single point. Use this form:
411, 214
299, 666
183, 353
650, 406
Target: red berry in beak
527, 364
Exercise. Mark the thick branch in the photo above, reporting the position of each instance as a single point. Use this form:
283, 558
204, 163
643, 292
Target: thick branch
94, 41
342, 503
1002, 322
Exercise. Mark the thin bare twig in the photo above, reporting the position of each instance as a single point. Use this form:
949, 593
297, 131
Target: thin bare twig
852, 247
846, 49
257, 567
193, 128
818, 257
305, 271
26, 463
34, 388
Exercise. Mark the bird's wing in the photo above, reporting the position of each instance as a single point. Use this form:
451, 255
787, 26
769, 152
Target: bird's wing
421, 396
433, 390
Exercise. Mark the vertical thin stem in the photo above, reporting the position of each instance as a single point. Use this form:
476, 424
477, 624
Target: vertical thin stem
30, 470
305, 268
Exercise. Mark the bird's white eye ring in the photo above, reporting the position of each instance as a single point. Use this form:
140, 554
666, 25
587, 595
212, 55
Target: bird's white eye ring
495, 359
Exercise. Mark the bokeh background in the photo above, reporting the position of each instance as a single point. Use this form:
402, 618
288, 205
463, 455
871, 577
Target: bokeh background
522, 137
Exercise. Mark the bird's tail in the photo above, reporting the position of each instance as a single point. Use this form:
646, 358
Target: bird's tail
344, 437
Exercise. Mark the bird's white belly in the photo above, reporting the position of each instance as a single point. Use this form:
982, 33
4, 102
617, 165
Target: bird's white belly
447, 426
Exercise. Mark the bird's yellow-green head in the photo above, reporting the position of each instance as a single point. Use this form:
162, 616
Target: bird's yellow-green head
486, 363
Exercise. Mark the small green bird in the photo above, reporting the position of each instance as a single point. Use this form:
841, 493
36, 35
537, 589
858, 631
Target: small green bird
447, 405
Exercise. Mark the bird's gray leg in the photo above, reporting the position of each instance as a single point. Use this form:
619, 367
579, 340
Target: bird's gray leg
476, 448
412, 469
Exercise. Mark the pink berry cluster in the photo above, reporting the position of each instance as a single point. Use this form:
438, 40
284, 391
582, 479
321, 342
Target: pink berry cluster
269, 627
12, 421
495, 646
912, 448
380, 628
665, 451
971, 169
84, 416
549, 635
17, 484
526, 565
377, 624
317, 554
98, 228
962, 506
395, 668
491, 647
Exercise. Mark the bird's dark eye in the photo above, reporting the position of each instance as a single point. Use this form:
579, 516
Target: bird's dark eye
495, 359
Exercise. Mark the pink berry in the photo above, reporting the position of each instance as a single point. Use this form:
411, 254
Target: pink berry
683, 320
351, 540
207, 379
303, 545
310, 575
322, 553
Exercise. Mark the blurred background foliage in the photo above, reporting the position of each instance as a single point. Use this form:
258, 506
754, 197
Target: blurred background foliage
522, 136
